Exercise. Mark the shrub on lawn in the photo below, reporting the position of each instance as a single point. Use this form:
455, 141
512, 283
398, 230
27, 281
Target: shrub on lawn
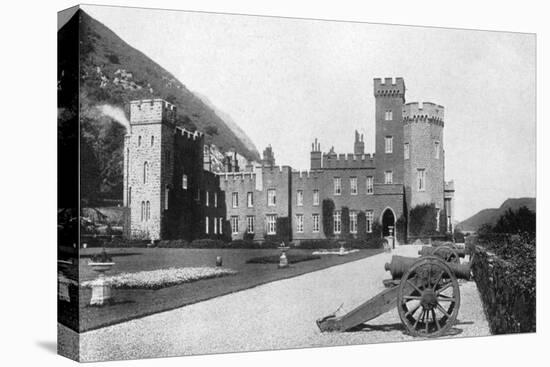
319, 244
274, 259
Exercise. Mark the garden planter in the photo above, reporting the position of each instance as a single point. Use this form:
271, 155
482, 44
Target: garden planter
101, 291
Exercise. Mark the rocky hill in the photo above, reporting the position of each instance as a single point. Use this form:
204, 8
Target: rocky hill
111, 74
491, 216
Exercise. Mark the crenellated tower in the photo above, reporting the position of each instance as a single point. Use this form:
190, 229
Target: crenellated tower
424, 154
390, 97
148, 168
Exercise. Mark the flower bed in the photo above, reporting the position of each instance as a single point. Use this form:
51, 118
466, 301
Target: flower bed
156, 279
334, 252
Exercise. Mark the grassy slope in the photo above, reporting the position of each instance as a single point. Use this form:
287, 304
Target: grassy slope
101, 48
491, 216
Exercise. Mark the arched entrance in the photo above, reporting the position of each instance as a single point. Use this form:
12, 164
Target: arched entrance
388, 220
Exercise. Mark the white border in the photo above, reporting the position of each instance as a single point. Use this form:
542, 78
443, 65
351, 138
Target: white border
29, 181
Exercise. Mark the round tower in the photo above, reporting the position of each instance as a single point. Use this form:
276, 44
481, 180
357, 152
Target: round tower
423, 154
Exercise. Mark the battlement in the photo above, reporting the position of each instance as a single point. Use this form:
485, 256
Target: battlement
332, 160
304, 175
237, 176
190, 135
388, 87
425, 112
152, 111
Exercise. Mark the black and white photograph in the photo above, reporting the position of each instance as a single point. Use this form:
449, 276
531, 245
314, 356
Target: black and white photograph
310, 183
228, 181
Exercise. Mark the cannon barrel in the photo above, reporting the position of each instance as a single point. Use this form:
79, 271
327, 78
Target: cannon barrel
429, 250
400, 264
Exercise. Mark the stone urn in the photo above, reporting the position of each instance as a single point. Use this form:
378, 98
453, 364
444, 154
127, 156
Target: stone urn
101, 291
283, 260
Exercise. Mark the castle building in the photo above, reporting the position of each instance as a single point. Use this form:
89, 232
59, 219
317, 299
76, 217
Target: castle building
166, 187
366, 190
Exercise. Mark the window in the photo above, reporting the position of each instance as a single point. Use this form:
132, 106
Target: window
234, 224
215, 200
250, 224
129, 195
145, 172
421, 179
353, 185
315, 197
370, 217
221, 225
337, 186
250, 199
299, 223
436, 147
139, 141
271, 224
206, 228
337, 222
299, 198
215, 220
437, 222
198, 194
271, 197
147, 211
207, 198
235, 200
152, 140
388, 144
370, 185
315, 223
184, 182
406, 151
388, 177
353, 222
166, 198
388, 115
142, 211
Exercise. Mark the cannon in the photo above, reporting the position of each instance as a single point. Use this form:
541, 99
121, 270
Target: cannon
425, 292
447, 253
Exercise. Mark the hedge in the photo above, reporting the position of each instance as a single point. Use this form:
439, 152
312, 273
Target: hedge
504, 269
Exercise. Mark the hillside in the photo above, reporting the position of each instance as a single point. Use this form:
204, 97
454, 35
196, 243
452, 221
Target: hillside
111, 74
491, 216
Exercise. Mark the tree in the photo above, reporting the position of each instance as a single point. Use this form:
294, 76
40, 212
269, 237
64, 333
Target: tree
361, 225
328, 218
519, 221
345, 222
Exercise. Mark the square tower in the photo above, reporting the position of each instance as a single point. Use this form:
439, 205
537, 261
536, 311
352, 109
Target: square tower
148, 165
390, 97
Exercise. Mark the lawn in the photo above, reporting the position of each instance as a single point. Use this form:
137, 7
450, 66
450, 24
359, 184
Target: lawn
132, 303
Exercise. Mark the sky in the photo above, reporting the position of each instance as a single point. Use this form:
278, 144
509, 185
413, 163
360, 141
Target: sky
288, 81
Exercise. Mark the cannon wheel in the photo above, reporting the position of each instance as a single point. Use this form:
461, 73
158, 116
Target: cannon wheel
447, 253
428, 298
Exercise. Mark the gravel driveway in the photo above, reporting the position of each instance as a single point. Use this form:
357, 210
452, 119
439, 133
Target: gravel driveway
276, 315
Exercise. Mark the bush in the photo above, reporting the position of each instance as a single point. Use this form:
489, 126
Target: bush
326, 244
328, 217
422, 220
507, 281
173, 244
207, 243
274, 259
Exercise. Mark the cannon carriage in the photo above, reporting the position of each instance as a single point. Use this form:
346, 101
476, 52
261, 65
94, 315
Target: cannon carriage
425, 291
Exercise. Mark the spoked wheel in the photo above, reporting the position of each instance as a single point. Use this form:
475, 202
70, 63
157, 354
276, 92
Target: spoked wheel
428, 298
447, 253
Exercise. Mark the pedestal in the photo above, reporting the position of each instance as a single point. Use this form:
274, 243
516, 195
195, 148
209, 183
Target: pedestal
101, 291
63, 287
